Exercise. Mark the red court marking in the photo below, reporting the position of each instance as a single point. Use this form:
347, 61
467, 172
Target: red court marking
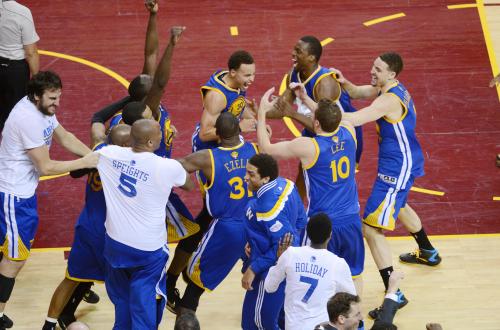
447, 73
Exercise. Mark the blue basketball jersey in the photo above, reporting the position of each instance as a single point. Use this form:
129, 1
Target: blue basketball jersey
330, 181
167, 134
400, 154
344, 101
227, 193
93, 214
235, 98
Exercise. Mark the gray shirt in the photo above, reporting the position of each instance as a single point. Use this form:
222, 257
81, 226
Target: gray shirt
17, 29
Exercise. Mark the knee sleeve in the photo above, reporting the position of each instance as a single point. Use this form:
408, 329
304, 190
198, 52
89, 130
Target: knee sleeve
6, 287
191, 297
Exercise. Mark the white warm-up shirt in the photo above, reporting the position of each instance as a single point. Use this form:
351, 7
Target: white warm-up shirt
136, 188
26, 128
312, 277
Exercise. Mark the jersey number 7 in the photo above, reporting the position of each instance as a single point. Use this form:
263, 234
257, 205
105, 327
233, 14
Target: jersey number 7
313, 282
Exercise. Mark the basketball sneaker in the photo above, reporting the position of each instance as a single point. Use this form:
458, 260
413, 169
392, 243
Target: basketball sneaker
422, 257
173, 299
402, 302
5, 322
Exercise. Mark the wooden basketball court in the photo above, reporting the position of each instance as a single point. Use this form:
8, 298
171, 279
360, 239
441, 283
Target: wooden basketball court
451, 51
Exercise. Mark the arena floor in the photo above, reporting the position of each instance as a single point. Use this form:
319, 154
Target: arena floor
451, 50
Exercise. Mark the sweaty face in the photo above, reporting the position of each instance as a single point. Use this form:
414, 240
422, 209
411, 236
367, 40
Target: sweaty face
244, 76
300, 55
381, 74
49, 102
253, 179
352, 320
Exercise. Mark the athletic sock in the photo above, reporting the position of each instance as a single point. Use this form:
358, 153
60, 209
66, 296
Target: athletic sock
422, 240
385, 274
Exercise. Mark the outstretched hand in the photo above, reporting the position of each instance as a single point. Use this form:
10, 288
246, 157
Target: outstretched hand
299, 90
284, 243
267, 101
175, 33
152, 6
340, 77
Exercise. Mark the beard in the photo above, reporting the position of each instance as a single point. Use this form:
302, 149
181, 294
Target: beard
45, 110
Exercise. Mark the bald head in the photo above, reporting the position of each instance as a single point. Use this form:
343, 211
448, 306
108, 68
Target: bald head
227, 126
120, 135
78, 326
145, 135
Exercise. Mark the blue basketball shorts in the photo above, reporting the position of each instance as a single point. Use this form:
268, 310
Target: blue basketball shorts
219, 250
385, 201
86, 261
180, 222
18, 225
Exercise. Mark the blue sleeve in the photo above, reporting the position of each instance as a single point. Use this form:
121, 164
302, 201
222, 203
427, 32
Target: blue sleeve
275, 230
301, 212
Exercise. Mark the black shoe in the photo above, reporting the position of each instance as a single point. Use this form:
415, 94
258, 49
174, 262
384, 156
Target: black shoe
49, 325
402, 302
91, 297
5, 322
422, 257
173, 299
65, 320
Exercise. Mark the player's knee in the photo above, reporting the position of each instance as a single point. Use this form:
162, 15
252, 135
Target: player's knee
6, 287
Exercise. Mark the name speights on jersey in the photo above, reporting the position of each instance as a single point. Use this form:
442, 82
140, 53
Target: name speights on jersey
129, 169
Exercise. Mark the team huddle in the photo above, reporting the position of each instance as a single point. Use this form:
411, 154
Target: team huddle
294, 258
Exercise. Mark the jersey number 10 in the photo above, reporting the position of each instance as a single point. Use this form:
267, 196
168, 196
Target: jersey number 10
340, 169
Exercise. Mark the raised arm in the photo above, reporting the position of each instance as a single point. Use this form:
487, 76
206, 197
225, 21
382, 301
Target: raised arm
98, 130
301, 147
151, 45
162, 73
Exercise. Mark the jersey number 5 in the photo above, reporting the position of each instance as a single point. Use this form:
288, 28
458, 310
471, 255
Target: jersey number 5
338, 169
313, 282
127, 185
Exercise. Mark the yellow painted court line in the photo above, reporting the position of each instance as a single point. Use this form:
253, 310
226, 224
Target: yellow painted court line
383, 19
93, 65
326, 41
48, 177
496, 198
427, 191
462, 6
487, 39
172, 246
233, 30
96, 66
288, 122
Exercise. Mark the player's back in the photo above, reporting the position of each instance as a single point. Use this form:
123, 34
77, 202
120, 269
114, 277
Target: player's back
330, 179
400, 153
137, 186
312, 277
227, 193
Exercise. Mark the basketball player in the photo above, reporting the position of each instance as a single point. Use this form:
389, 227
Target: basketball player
313, 275
275, 211
137, 184
328, 160
400, 162
227, 195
